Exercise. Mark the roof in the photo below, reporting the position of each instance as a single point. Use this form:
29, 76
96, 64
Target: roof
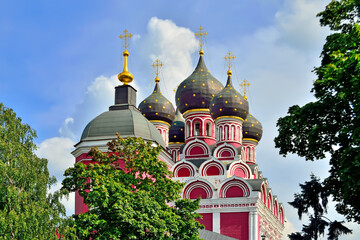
126, 122
157, 107
208, 235
229, 102
196, 91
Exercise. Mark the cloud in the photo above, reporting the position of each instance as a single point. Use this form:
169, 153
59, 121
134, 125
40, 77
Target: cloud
298, 24
173, 46
97, 99
58, 152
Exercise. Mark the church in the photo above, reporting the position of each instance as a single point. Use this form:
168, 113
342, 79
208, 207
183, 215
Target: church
208, 141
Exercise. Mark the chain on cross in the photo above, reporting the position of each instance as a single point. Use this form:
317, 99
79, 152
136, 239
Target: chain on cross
125, 36
201, 34
157, 65
229, 58
244, 85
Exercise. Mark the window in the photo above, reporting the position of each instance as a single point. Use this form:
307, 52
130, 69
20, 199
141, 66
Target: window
197, 129
208, 129
187, 129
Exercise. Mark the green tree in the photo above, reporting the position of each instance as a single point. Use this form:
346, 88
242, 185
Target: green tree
331, 124
313, 201
27, 210
128, 191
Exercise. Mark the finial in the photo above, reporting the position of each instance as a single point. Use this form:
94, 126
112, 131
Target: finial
201, 34
244, 85
229, 58
157, 65
125, 77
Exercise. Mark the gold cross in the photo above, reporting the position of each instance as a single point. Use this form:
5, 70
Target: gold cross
229, 58
201, 34
157, 64
125, 37
244, 85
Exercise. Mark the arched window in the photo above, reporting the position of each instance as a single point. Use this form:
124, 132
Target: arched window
187, 129
226, 132
233, 133
208, 129
197, 129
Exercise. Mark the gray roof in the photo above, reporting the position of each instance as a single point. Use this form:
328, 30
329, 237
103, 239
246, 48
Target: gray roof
126, 122
208, 235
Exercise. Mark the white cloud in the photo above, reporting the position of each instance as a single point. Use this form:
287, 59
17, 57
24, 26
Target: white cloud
58, 152
173, 46
98, 98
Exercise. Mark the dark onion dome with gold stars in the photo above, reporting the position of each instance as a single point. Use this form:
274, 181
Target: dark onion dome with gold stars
252, 128
229, 103
196, 91
157, 107
177, 129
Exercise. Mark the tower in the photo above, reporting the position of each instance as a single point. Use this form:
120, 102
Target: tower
124, 118
157, 108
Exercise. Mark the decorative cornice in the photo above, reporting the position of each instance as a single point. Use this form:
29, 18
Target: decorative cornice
250, 139
159, 122
196, 110
232, 117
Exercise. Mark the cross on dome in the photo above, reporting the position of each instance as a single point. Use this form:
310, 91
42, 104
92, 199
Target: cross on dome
244, 85
125, 36
157, 66
125, 77
201, 34
229, 58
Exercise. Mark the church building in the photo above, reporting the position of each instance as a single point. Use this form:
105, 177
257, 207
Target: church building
209, 142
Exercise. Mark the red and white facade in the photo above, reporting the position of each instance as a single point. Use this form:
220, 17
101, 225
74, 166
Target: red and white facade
219, 166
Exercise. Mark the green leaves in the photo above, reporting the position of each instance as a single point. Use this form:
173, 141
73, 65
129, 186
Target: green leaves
27, 210
313, 201
331, 124
128, 191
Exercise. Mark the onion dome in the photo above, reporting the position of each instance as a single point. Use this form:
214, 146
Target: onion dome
196, 91
252, 128
229, 102
157, 107
177, 129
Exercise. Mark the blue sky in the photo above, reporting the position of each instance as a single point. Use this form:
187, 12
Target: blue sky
58, 61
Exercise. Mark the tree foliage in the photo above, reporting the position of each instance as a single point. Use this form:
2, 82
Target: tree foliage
313, 201
128, 191
27, 211
331, 124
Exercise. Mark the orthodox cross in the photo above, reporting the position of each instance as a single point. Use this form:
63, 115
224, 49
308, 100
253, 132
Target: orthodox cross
125, 36
201, 34
157, 65
229, 58
244, 85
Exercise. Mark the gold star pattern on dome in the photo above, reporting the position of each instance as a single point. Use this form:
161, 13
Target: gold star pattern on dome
229, 58
245, 85
201, 34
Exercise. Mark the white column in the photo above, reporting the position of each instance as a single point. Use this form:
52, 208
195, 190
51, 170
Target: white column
216, 222
253, 225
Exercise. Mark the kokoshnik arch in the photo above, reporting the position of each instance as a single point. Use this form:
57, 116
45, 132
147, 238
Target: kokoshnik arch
209, 142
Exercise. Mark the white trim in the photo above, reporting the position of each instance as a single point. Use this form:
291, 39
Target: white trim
216, 222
